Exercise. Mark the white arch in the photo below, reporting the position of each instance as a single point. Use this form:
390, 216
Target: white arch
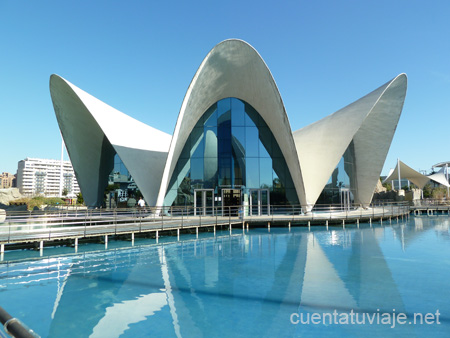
233, 68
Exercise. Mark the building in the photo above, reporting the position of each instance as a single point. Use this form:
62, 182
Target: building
232, 143
37, 176
7, 180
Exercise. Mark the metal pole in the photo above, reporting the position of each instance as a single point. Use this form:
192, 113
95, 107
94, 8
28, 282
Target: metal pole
13, 326
399, 180
446, 171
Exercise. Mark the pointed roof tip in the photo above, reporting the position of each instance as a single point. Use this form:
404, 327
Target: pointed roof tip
401, 77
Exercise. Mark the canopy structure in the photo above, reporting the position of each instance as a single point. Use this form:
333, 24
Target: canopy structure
402, 171
440, 177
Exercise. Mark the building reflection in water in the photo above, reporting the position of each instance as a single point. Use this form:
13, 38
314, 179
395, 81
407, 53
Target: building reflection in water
249, 283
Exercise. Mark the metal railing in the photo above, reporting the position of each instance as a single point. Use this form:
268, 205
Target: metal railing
53, 225
14, 327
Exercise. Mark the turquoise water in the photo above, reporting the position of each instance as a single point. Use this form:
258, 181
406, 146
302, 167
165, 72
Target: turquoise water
249, 284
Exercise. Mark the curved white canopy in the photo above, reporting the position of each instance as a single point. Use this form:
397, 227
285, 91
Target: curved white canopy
370, 122
94, 131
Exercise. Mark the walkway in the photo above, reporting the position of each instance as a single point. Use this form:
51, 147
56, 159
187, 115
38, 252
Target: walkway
75, 225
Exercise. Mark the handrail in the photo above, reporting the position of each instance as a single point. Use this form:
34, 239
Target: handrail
14, 327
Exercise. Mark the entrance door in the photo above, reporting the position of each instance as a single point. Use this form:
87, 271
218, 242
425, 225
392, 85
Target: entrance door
346, 201
203, 202
231, 202
259, 202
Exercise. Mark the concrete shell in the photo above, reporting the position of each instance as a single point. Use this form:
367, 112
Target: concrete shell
94, 131
370, 122
233, 68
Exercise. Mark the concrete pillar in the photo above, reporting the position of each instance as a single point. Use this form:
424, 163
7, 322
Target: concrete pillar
178, 234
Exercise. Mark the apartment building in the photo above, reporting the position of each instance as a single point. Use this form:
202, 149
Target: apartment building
37, 176
7, 180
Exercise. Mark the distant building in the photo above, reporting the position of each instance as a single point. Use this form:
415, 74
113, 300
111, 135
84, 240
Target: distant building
37, 176
7, 180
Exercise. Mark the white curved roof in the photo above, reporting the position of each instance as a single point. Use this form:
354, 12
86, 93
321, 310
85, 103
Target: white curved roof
420, 180
370, 122
233, 68
93, 131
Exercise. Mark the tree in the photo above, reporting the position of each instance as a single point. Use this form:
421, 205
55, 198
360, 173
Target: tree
80, 199
65, 192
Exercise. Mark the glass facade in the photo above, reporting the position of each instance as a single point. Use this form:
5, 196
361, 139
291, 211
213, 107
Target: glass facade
125, 187
341, 186
231, 149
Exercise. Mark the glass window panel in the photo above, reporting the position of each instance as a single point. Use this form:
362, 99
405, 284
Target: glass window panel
265, 173
251, 116
185, 153
265, 146
224, 171
197, 142
210, 172
237, 113
277, 184
224, 110
238, 141
210, 142
239, 171
252, 179
196, 172
211, 116
251, 142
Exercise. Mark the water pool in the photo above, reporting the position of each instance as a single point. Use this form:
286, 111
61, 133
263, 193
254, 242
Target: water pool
247, 284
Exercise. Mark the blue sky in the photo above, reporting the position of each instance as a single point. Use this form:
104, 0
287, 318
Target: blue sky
140, 56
